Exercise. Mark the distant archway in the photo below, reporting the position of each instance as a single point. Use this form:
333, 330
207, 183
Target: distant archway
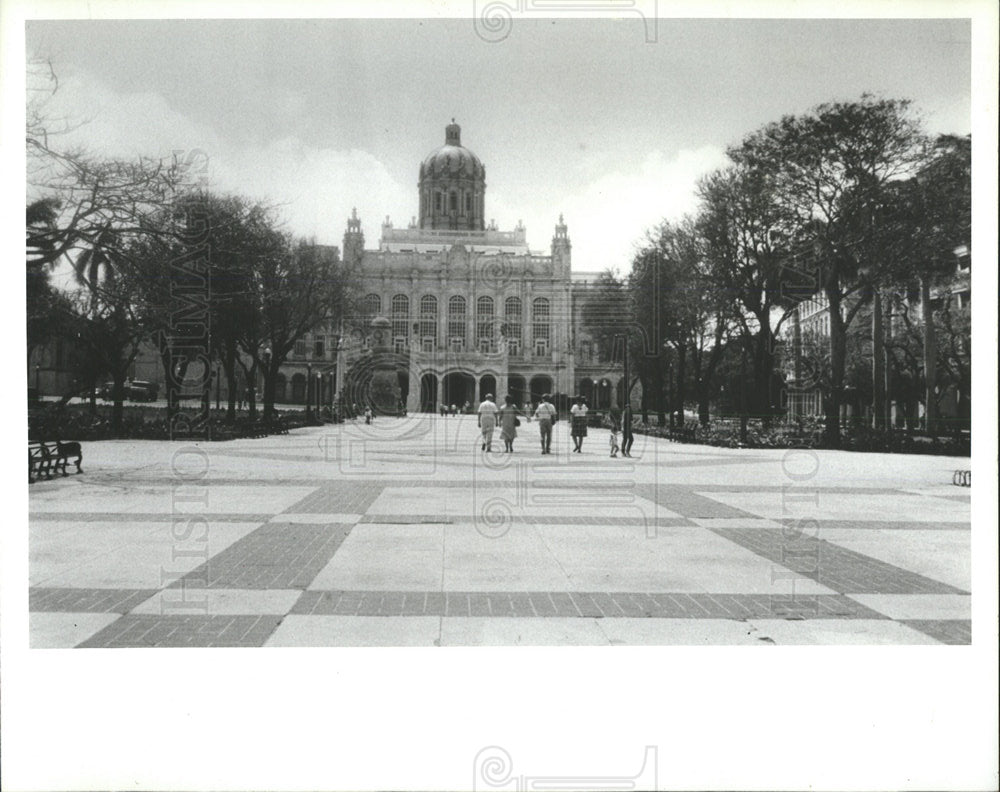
488, 384
602, 395
587, 390
428, 393
459, 388
540, 385
517, 388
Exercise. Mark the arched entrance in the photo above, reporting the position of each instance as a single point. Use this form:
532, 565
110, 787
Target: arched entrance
488, 384
587, 390
428, 393
459, 388
517, 388
620, 392
602, 394
540, 385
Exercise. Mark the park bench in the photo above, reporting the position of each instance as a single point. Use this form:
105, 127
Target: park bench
44, 458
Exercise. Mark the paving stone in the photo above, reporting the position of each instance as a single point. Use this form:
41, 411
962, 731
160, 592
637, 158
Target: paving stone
204, 631
947, 631
351, 497
688, 503
275, 556
842, 570
72, 600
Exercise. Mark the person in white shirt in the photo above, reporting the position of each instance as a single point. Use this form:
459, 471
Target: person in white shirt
578, 416
546, 415
487, 420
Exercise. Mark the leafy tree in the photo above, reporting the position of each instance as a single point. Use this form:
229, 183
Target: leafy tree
830, 169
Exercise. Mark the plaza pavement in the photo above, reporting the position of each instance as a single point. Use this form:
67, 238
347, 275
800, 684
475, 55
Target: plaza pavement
404, 533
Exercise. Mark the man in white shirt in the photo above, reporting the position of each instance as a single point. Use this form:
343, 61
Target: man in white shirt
487, 419
546, 415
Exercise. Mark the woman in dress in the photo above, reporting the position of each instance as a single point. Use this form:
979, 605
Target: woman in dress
487, 419
508, 423
578, 414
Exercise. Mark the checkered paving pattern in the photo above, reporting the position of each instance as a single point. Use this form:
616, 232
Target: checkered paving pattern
326, 549
676, 605
347, 497
138, 632
842, 570
75, 600
947, 631
275, 556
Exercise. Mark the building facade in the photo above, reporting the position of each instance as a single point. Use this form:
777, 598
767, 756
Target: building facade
472, 310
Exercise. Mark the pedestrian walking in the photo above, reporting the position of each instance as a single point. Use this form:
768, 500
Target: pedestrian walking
546, 415
368, 415
613, 434
627, 438
486, 417
508, 423
578, 417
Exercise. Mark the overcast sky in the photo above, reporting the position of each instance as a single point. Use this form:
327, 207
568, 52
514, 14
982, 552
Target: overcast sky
580, 117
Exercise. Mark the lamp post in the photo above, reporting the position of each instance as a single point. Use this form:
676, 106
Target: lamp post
218, 384
264, 374
38, 393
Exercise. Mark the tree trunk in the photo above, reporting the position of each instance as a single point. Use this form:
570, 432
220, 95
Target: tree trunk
118, 409
930, 358
680, 393
878, 362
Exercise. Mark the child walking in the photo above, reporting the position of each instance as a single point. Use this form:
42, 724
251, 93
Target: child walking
613, 435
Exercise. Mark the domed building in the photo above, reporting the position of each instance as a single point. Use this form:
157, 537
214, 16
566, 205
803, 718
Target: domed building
470, 309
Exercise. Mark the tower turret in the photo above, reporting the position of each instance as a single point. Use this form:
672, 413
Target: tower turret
354, 240
561, 246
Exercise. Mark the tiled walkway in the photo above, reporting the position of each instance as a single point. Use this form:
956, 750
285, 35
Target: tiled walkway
404, 533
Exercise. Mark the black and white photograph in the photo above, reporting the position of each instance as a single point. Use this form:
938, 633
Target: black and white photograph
423, 369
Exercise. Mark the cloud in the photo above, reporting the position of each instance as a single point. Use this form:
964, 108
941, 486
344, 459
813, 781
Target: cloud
314, 189
613, 212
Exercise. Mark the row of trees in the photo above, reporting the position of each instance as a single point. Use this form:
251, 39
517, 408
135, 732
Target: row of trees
158, 259
850, 201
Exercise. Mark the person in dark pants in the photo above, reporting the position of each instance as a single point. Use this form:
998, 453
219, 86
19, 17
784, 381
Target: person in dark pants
627, 438
546, 415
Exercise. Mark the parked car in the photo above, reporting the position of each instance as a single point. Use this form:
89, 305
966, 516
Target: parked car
135, 390
140, 390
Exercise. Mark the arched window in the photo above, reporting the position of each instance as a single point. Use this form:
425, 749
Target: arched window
400, 316
453, 202
428, 319
512, 314
456, 321
372, 305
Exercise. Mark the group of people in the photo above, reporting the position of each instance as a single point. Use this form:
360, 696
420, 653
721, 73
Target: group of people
445, 410
508, 417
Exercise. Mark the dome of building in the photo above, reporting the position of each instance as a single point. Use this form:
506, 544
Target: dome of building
452, 159
452, 186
